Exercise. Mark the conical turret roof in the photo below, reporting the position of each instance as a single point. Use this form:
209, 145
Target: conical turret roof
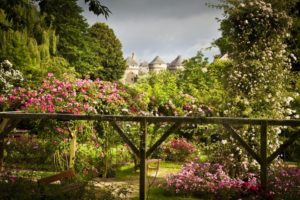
144, 64
157, 60
131, 60
177, 61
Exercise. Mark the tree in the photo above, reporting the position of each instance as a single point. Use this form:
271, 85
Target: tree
87, 49
94, 5
65, 17
256, 33
291, 7
107, 49
25, 38
97, 8
203, 80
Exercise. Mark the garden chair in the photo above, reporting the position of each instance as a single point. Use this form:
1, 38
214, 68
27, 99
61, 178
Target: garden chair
153, 164
47, 182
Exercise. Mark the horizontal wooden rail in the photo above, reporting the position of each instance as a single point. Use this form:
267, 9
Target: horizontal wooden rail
152, 119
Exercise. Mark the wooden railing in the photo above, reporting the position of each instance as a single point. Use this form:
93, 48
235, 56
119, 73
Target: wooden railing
11, 119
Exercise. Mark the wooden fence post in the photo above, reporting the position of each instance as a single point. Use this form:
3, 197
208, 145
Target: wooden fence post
3, 125
263, 156
72, 149
143, 167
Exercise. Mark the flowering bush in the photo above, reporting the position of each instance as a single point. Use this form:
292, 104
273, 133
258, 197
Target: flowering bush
9, 77
178, 150
285, 183
255, 80
75, 96
202, 179
78, 96
196, 178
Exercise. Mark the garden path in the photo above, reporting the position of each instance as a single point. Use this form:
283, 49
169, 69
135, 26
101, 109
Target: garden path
129, 184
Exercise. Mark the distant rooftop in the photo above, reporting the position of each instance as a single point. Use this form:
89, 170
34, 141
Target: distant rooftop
157, 60
177, 62
131, 60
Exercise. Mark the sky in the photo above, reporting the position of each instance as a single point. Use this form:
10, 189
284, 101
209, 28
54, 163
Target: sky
166, 28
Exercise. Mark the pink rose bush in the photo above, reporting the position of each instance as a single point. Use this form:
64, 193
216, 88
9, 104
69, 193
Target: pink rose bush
207, 179
76, 96
178, 150
200, 178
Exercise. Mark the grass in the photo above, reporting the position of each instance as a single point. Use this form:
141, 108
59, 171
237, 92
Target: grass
291, 163
127, 173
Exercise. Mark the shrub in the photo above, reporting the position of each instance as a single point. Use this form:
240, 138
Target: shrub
285, 183
178, 150
207, 179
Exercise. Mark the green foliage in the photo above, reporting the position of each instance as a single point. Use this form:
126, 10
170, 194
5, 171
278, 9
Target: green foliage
159, 87
256, 32
204, 81
58, 65
69, 24
25, 39
29, 39
97, 8
94, 51
108, 52
290, 7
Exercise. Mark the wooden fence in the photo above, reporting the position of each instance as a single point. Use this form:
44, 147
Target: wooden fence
11, 119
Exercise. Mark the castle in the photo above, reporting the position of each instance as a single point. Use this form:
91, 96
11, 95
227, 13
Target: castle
136, 69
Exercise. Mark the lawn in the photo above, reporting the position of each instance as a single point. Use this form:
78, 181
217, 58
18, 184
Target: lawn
127, 173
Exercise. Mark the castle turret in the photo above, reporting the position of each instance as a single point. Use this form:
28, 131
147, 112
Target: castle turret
132, 71
176, 64
157, 64
144, 68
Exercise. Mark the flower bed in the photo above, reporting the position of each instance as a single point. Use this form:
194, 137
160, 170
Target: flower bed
207, 179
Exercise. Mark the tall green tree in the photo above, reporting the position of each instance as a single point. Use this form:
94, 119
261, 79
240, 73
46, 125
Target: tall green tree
65, 17
87, 49
28, 41
25, 39
107, 49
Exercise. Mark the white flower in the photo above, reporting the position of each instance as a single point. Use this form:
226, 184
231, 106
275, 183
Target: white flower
294, 57
204, 69
224, 141
125, 110
289, 111
289, 99
6, 62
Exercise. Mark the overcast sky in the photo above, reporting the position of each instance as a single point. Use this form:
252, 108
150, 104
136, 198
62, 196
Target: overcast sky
161, 27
